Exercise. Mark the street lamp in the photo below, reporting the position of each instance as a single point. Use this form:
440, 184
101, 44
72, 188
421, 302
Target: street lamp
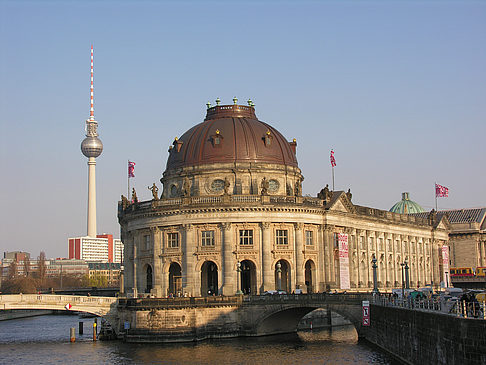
279, 276
407, 282
403, 278
375, 283
238, 281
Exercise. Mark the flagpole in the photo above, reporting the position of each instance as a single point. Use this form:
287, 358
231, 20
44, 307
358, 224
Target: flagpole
128, 178
435, 188
333, 178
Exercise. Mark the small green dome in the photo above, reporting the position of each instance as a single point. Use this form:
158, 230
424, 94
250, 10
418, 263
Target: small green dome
406, 206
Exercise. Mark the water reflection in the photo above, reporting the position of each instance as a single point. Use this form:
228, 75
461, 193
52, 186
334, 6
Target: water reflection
48, 342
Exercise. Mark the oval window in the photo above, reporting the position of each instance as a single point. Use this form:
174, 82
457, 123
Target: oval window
217, 185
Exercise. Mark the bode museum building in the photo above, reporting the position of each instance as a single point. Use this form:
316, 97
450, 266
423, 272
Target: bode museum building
232, 218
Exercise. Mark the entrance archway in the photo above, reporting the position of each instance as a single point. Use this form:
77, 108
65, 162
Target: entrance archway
175, 279
248, 277
284, 274
148, 279
310, 270
209, 279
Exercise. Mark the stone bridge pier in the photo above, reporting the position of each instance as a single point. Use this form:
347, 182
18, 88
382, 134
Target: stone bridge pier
190, 319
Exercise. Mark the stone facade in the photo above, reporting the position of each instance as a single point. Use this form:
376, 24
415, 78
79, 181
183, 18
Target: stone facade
222, 228
467, 236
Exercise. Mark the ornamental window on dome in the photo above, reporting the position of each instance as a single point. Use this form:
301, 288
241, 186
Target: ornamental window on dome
217, 139
273, 186
268, 139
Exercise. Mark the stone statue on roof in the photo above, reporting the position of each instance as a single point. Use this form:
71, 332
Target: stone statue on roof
155, 191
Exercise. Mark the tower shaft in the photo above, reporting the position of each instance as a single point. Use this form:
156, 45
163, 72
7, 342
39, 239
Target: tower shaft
91, 197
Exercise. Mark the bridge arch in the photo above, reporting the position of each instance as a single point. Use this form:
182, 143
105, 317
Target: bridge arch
279, 319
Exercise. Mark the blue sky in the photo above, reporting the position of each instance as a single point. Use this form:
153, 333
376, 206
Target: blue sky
397, 88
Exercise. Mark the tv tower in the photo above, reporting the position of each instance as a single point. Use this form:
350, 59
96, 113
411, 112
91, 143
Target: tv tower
91, 148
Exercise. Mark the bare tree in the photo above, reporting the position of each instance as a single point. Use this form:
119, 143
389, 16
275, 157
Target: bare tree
12, 270
41, 272
26, 266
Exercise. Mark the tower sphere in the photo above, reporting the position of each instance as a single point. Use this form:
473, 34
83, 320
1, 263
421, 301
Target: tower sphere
91, 147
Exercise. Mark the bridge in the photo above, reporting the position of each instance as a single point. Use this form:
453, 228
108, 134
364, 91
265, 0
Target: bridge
189, 319
100, 306
418, 334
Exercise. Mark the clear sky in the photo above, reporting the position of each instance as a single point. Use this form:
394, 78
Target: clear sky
397, 88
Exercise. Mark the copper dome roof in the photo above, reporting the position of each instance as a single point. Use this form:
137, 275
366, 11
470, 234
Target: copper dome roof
231, 133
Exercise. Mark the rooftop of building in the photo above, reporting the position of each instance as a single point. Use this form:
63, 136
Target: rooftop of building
465, 215
231, 134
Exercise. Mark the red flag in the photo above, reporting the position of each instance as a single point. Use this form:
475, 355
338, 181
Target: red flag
333, 160
131, 169
441, 191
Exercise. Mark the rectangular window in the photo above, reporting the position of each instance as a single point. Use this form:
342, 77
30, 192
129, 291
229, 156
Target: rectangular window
173, 239
207, 238
361, 242
380, 243
146, 240
309, 238
246, 237
282, 237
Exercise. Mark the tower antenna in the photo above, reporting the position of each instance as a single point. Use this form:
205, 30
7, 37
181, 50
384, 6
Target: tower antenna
91, 111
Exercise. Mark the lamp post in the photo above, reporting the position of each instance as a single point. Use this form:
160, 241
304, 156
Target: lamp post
375, 283
238, 276
446, 278
403, 278
279, 276
407, 282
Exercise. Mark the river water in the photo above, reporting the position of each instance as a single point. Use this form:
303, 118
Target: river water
45, 340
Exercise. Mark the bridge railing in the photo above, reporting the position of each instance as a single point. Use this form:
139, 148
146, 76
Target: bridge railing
456, 308
55, 299
179, 302
351, 298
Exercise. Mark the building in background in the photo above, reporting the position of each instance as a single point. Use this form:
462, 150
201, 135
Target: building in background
467, 237
105, 274
102, 248
54, 267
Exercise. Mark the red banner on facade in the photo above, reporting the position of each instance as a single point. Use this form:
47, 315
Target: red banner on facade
343, 261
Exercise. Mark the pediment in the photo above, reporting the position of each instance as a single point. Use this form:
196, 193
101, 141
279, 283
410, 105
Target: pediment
340, 203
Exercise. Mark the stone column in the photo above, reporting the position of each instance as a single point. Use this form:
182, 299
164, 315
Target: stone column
268, 282
299, 256
157, 263
329, 254
358, 257
321, 276
436, 257
189, 275
135, 261
369, 256
229, 267
350, 232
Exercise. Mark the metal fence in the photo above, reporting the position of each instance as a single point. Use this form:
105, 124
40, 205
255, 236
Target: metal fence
459, 308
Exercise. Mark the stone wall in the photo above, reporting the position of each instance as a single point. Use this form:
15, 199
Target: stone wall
418, 337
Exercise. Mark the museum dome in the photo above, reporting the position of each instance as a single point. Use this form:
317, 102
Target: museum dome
406, 206
231, 134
